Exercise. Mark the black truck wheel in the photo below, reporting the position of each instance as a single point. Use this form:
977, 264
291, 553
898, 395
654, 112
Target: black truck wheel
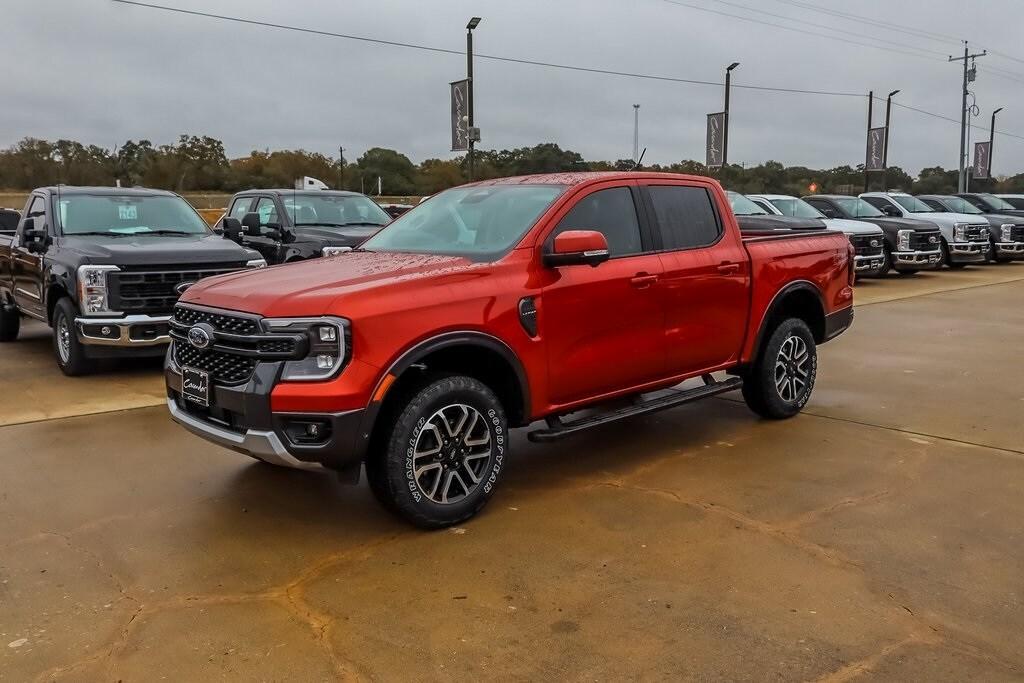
70, 352
10, 323
444, 455
781, 381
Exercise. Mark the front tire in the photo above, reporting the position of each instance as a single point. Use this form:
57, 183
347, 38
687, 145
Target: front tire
10, 323
781, 381
444, 455
69, 351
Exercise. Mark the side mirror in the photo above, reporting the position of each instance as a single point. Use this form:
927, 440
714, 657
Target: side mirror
251, 222
33, 239
231, 229
890, 211
578, 247
829, 212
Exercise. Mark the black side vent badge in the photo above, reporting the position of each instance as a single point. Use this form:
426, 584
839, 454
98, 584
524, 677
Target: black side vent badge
528, 315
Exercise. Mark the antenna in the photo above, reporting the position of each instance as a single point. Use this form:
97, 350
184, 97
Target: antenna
637, 164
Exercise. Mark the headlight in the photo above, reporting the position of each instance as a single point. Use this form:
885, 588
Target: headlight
334, 251
92, 289
903, 240
960, 232
328, 346
1004, 232
256, 263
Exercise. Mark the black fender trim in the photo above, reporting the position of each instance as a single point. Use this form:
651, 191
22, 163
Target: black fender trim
799, 285
420, 351
838, 322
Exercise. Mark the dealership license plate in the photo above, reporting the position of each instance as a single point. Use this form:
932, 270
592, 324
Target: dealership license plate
195, 386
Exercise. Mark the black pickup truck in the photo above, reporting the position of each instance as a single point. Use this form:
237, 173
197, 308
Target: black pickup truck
295, 225
104, 267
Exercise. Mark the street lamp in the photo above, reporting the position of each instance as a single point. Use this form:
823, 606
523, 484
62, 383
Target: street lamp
473, 23
885, 143
725, 133
991, 139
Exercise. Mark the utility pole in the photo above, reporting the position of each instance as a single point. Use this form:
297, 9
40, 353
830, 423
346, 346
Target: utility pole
968, 77
871, 106
341, 168
473, 23
636, 133
992, 140
885, 145
725, 133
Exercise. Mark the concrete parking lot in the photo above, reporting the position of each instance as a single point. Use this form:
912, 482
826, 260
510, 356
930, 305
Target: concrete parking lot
876, 535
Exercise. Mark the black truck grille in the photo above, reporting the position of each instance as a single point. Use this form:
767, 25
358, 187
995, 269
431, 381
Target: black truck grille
925, 241
152, 291
862, 244
239, 344
1017, 233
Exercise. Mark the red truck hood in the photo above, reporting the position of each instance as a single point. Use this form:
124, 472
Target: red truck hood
309, 288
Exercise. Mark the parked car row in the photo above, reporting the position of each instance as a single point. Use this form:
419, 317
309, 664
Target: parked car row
898, 231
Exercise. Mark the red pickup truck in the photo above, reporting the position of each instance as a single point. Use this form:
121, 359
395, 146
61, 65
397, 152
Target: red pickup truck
496, 305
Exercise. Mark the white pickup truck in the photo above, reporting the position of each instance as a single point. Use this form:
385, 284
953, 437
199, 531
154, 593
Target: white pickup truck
867, 239
965, 238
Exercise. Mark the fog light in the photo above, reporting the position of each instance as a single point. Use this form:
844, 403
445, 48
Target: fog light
325, 362
308, 432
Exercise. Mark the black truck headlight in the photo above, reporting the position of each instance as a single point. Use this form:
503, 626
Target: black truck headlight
1004, 232
327, 348
92, 289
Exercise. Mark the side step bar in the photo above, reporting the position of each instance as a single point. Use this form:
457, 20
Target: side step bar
557, 429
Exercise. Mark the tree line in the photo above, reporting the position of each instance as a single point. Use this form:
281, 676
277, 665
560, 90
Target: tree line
200, 164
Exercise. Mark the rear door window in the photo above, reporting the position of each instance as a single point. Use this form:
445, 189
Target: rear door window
611, 212
686, 216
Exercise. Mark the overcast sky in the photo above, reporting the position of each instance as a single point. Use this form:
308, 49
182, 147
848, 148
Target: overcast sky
102, 72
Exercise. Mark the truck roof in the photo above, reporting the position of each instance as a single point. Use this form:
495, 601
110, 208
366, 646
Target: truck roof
311, 193
112, 191
581, 177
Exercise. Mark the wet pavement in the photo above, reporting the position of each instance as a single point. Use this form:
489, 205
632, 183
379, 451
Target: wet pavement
877, 535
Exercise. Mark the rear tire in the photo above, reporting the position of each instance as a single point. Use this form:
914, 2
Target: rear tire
70, 352
10, 323
443, 457
781, 381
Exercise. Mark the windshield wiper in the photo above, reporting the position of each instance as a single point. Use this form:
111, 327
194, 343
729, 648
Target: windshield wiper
99, 233
167, 232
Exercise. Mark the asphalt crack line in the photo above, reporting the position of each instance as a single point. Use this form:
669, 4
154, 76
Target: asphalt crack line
867, 664
54, 418
936, 293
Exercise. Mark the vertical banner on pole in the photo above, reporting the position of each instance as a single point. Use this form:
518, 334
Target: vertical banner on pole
982, 160
875, 158
460, 114
716, 130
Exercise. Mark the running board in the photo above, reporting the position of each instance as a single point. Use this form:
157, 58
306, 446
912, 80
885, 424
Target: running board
558, 429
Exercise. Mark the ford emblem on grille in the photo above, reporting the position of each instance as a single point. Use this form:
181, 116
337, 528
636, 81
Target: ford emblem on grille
200, 336
180, 288
933, 239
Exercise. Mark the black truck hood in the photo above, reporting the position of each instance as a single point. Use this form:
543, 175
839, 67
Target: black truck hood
348, 236
139, 250
759, 223
891, 225
997, 220
1016, 213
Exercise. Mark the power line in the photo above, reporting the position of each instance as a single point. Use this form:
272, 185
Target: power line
946, 118
497, 58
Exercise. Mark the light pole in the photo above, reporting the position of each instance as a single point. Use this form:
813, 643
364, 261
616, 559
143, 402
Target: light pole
885, 144
636, 133
341, 168
473, 23
725, 133
992, 139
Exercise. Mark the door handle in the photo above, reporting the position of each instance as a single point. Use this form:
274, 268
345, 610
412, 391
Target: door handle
728, 268
643, 280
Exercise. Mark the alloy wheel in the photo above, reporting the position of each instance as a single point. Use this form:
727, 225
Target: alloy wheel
451, 454
64, 340
792, 369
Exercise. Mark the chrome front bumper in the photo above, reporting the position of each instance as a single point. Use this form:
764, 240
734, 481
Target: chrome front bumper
262, 445
1009, 248
862, 263
916, 258
135, 331
968, 251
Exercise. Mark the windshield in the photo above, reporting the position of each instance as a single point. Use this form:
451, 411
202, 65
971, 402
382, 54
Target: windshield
128, 215
960, 205
333, 210
742, 206
912, 204
797, 208
858, 208
477, 222
995, 202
